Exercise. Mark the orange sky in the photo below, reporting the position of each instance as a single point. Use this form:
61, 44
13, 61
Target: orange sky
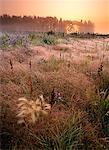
95, 10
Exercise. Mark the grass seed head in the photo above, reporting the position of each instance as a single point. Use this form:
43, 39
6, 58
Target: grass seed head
30, 111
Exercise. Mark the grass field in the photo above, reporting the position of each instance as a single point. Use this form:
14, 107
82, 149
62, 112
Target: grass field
72, 73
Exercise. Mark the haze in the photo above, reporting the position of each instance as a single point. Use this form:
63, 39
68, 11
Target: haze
95, 10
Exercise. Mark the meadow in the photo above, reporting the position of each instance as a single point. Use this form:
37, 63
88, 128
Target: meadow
71, 72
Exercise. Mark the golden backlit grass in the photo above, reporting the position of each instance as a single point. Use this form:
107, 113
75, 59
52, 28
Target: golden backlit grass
30, 111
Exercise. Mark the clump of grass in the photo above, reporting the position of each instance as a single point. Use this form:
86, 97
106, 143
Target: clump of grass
31, 37
30, 111
86, 61
4, 41
51, 65
35, 40
64, 135
102, 82
98, 115
49, 40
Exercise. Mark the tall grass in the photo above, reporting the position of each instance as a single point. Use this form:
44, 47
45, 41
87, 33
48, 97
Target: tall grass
63, 135
75, 118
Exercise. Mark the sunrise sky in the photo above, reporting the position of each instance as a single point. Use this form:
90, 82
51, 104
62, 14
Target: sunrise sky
95, 10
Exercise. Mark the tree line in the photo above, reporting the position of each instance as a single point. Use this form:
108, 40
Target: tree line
44, 24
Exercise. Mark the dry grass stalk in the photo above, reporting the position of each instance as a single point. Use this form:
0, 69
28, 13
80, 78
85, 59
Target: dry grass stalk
30, 80
11, 64
30, 64
30, 85
100, 69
